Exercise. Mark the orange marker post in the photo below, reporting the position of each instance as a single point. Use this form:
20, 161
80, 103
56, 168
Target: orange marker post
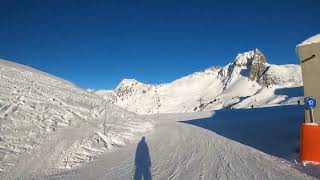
310, 142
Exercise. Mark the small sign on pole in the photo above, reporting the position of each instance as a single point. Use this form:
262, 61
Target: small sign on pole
309, 104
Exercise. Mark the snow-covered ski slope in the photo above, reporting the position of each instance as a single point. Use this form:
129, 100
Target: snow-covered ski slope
47, 122
260, 143
247, 81
52, 129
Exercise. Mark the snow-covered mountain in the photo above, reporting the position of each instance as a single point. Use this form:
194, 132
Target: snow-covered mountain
247, 81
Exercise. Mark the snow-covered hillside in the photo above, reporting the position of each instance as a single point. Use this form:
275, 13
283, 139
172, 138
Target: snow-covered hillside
47, 122
52, 129
247, 81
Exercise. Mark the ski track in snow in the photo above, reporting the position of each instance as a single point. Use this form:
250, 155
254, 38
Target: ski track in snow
183, 151
52, 154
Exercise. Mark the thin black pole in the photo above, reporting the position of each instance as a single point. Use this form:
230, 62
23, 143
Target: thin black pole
105, 118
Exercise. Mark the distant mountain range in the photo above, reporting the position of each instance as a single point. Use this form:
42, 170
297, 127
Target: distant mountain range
248, 81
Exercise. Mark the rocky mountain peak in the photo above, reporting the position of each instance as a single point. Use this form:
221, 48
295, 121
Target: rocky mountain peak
248, 58
126, 82
128, 87
258, 66
251, 64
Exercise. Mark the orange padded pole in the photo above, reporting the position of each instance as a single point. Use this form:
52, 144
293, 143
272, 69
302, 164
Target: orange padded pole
310, 142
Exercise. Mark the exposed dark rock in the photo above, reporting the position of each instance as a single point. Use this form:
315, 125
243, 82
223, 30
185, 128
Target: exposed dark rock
258, 66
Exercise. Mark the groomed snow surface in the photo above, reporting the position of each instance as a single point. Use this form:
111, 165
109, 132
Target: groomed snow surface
52, 129
207, 145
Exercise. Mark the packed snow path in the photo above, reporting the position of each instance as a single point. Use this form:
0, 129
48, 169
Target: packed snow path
178, 149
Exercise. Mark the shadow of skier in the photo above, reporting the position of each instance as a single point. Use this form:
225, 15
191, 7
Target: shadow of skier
142, 161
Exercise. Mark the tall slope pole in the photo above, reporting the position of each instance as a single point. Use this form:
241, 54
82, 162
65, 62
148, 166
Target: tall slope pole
105, 118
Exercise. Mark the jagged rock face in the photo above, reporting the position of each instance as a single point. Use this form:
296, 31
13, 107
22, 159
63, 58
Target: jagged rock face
258, 66
250, 64
277, 75
130, 87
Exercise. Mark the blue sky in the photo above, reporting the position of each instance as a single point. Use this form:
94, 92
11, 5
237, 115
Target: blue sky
96, 44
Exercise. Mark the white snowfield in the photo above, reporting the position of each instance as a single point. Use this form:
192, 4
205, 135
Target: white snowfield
248, 81
52, 129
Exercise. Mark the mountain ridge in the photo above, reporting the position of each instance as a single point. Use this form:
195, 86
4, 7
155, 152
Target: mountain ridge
247, 75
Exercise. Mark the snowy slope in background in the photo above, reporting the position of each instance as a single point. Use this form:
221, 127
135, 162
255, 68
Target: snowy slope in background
56, 120
107, 95
248, 81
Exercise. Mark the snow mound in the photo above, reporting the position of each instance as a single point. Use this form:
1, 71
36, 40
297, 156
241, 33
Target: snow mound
311, 40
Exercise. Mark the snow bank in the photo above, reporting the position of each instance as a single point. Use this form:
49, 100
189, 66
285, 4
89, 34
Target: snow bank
311, 40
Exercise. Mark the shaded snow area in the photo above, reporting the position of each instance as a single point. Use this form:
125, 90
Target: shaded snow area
47, 123
259, 143
245, 82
